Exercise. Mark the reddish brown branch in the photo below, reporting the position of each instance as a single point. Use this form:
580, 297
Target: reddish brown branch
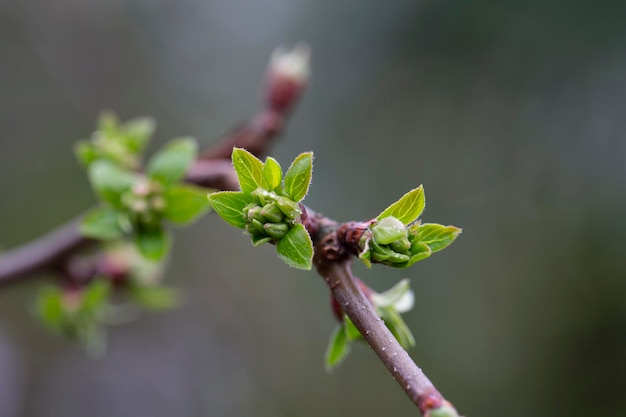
333, 262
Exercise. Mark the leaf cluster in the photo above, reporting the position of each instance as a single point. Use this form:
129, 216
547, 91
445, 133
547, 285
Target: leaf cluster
135, 203
267, 207
396, 238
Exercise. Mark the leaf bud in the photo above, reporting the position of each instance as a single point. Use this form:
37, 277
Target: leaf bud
290, 208
261, 195
276, 230
401, 245
272, 213
258, 226
254, 213
388, 230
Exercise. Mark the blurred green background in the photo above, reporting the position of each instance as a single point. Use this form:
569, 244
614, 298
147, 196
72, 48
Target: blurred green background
512, 115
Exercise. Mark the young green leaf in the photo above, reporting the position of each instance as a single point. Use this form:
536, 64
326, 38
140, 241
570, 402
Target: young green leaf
153, 244
272, 174
184, 203
399, 296
419, 252
156, 298
397, 326
110, 181
338, 348
101, 223
296, 248
49, 307
249, 170
170, 163
137, 133
85, 152
437, 236
408, 208
95, 295
229, 206
298, 176
351, 331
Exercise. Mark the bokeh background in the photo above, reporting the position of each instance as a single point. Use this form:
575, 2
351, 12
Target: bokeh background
512, 115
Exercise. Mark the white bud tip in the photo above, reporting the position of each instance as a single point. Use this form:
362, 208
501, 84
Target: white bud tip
292, 63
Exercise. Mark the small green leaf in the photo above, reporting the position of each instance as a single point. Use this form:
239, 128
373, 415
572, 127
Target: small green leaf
184, 203
408, 208
101, 223
49, 307
272, 174
229, 206
351, 331
298, 176
156, 298
170, 163
249, 170
108, 123
258, 240
95, 295
338, 348
397, 326
110, 181
437, 236
399, 297
153, 244
85, 152
137, 133
296, 248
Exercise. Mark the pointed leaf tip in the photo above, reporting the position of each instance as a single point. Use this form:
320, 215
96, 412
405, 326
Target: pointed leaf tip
298, 176
249, 170
408, 208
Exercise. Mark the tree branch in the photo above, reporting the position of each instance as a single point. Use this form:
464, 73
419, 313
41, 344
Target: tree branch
333, 260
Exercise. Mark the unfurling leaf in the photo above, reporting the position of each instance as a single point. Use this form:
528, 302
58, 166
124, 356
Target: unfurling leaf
272, 174
101, 223
338, 347
437, 236
298, 176
184, 203
408, 208
229, 206
296, 248
249, 170
170, 163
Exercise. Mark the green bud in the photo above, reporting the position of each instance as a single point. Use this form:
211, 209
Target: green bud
385, 254
388, 230
276, 230
290, 208
401, 245
261, 195
258, 225
255, 214
272, 213
380, 253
